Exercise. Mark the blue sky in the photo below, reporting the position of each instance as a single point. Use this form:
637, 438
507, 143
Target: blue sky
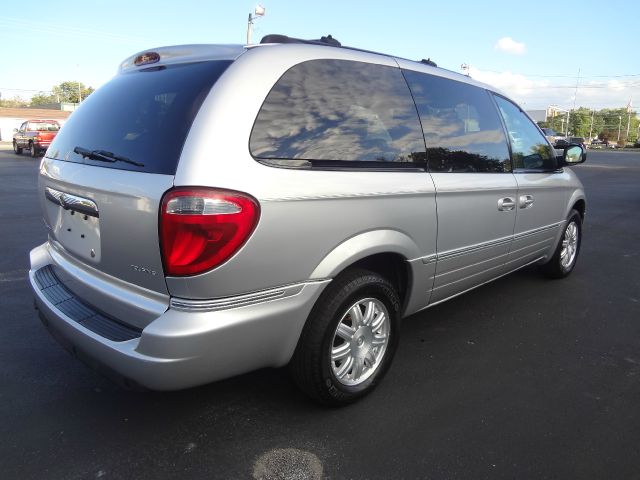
534, 51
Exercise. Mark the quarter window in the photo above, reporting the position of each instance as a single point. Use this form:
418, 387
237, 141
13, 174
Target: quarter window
337, 112
462, 130
529, 148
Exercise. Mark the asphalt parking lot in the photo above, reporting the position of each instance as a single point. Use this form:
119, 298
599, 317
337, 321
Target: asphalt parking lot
522, 378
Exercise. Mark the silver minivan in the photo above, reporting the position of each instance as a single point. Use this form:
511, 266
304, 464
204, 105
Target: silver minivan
216, 209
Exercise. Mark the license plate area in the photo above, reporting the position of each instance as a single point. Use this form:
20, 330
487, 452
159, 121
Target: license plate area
78, 233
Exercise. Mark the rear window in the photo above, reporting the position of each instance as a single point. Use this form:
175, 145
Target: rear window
143, 115
44, 126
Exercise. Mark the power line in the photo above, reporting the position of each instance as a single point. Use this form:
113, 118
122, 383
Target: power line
566, 75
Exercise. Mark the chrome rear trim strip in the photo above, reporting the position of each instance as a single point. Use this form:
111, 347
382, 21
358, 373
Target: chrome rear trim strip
212, 305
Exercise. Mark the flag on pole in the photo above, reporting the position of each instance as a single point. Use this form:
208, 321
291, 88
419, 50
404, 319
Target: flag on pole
629, 106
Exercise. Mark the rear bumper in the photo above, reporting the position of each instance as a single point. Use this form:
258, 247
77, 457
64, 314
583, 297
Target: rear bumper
42, 143
191, 343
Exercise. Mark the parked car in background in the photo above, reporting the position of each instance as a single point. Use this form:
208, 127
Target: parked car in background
216, 209
551, 135
35, 136
596, 143
577, 141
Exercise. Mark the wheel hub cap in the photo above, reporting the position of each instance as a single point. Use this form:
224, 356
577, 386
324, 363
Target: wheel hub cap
360, 341
569, 245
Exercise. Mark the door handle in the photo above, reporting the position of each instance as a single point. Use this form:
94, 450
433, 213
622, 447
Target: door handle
525, 201
505, 204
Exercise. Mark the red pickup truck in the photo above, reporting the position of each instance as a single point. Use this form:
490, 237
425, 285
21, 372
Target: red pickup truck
35, 136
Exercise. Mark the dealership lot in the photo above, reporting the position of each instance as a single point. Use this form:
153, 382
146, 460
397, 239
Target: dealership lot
522, 378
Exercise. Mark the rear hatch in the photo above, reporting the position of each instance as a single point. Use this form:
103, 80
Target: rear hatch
104, 175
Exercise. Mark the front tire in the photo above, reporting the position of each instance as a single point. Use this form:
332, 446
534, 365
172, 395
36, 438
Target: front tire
349, 340
566, 255
16, 149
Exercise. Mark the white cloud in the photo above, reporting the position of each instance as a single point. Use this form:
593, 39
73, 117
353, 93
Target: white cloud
540, 93
509, 45
615, 85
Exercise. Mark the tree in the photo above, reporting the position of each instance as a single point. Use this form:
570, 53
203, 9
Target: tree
43, 98
68, 91
580, 122
603, 124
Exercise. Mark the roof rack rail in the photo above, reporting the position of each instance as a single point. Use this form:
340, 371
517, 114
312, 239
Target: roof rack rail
275, 38
327, 41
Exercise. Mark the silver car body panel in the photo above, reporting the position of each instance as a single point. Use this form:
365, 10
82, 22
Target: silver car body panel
474, 233
454, 231
337, 207
538, 219
117, 241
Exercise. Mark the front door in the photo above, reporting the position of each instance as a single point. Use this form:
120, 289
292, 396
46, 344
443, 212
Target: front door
543, 189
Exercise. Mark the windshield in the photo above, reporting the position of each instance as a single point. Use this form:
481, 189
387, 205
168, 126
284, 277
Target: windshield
143, 116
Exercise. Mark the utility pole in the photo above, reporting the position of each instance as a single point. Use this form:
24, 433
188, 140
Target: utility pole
619, 125
591, 129
628, 120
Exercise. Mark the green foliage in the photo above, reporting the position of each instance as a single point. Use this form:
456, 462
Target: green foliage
42, 98
15, 102
68, 91
63, 92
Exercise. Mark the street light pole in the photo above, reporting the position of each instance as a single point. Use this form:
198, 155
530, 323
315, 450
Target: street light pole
259, 12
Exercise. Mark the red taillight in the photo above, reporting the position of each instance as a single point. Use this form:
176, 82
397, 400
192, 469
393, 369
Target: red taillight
201, 228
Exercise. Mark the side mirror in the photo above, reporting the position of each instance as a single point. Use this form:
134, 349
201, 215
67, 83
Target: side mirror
15, 130
572, 155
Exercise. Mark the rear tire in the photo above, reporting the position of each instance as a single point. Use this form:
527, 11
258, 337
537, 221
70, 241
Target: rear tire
566, 255
349, 340
16, 149
34, 150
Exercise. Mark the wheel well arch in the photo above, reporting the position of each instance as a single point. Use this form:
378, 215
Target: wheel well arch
392, 266
581, 207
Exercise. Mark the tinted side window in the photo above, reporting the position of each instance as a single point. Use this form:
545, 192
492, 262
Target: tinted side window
328, 112
529, 148
461, 127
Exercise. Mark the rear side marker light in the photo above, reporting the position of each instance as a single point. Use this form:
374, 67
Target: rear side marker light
201, 228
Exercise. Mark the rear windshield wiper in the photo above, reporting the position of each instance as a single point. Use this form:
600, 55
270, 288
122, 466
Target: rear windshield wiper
104, 156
